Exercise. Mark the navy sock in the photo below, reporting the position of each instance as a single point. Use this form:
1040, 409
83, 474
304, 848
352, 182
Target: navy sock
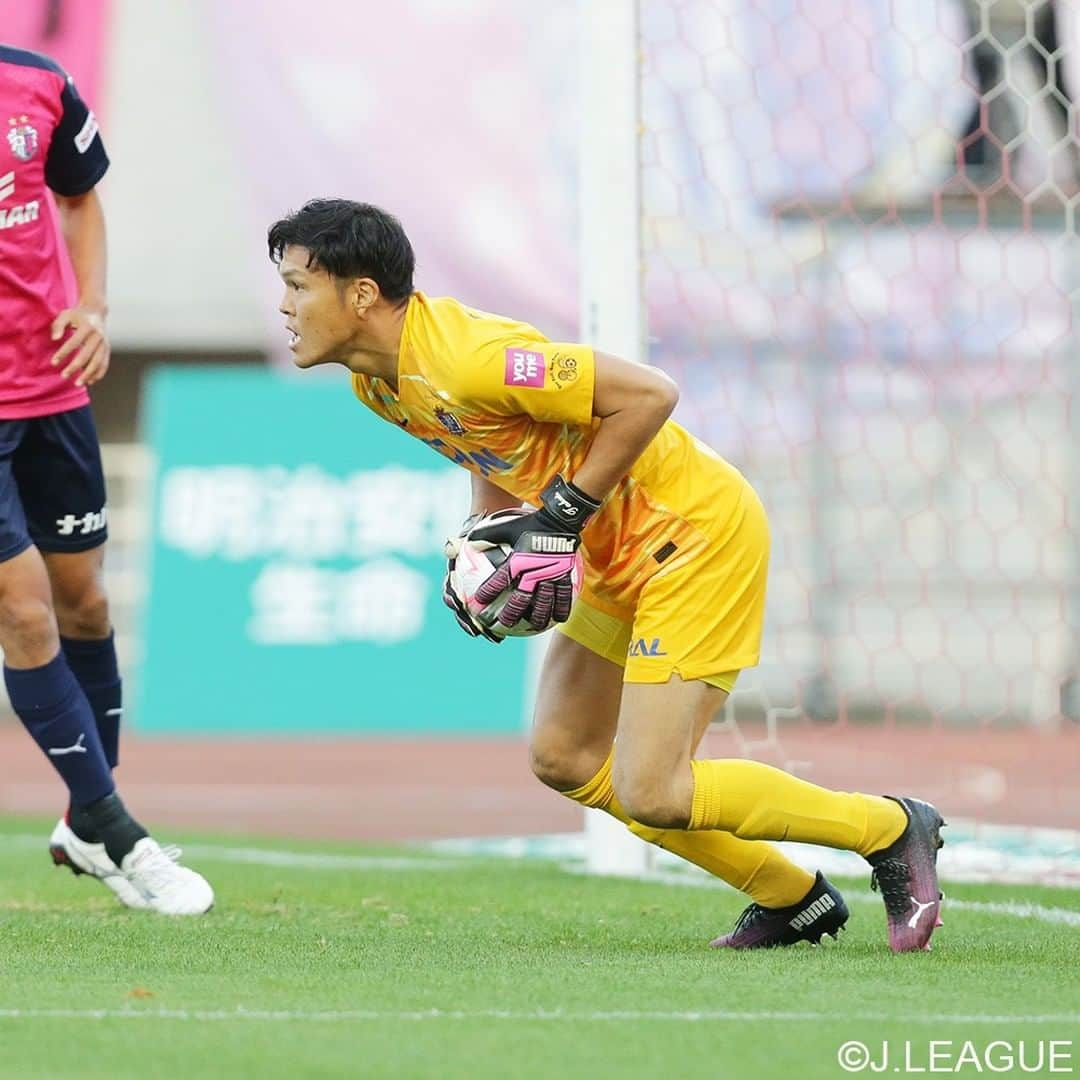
94, 665
53, 708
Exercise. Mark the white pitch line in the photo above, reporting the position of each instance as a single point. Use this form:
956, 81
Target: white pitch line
1013, 908
542, 1015
1017, 909
297, 860
301, 860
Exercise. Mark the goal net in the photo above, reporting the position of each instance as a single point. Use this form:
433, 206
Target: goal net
848, 230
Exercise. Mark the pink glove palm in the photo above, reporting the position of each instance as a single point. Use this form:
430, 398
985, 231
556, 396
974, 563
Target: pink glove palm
541, 568
543, 584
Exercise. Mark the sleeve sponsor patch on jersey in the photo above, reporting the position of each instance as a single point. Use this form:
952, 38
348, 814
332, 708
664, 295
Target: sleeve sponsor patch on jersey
563, 368
525, 367
86, 134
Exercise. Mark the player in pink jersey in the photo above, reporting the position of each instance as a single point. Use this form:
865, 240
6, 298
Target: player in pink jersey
60, 663
676, 547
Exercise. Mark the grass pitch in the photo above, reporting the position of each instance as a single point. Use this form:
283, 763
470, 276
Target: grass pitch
349, 962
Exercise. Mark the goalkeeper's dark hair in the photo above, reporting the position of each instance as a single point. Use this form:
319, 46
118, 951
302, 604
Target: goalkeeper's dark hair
348, 240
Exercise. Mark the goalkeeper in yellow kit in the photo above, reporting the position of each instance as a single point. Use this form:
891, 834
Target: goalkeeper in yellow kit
676, 548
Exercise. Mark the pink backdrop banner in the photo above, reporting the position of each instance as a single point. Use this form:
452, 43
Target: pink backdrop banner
72, 32
459, 121
463, 120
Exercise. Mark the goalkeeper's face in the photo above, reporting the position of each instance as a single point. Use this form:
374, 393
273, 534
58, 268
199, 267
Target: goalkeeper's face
321, 322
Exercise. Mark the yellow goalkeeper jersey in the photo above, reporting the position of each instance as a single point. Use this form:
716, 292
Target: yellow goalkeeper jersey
497, 397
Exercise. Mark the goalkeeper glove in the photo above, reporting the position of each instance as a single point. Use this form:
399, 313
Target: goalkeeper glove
541, 565
450, 598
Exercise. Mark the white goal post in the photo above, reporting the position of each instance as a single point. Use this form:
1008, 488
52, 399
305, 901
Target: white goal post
612, 304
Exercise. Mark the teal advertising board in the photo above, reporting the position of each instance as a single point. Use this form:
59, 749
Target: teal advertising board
296, 569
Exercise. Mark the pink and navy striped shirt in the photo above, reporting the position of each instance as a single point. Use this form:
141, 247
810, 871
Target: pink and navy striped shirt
51, 143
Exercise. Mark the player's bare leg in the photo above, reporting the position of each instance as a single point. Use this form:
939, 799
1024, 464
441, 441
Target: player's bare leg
576, 719
659, 783
27, 626
77, 580
576, 715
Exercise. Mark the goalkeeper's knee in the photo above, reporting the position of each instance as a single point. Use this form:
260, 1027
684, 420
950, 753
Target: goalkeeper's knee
580, 775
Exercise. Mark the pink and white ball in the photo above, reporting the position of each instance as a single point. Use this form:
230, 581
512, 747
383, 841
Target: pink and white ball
478, 560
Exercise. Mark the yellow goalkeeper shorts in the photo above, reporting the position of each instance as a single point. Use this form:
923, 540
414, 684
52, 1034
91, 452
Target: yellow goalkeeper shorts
701, 618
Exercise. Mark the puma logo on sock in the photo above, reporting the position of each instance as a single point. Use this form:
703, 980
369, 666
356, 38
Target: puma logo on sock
75, 748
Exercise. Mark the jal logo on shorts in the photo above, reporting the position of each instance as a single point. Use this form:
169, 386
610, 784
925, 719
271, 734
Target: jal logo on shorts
525, 368
644, 647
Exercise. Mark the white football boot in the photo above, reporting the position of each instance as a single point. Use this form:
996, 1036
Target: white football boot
82, 857
165, 885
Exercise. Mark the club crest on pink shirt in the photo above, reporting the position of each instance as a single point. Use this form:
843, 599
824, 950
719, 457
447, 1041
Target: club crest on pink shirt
22, 138
524, 367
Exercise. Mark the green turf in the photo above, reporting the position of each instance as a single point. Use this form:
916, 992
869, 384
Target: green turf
471, 938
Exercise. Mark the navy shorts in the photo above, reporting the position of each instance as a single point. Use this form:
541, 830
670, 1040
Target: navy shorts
52, 488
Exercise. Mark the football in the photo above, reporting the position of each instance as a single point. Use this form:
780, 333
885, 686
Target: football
478, 560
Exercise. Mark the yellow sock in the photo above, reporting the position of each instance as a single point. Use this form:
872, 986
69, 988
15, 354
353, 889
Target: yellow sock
758, 802
751, 866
